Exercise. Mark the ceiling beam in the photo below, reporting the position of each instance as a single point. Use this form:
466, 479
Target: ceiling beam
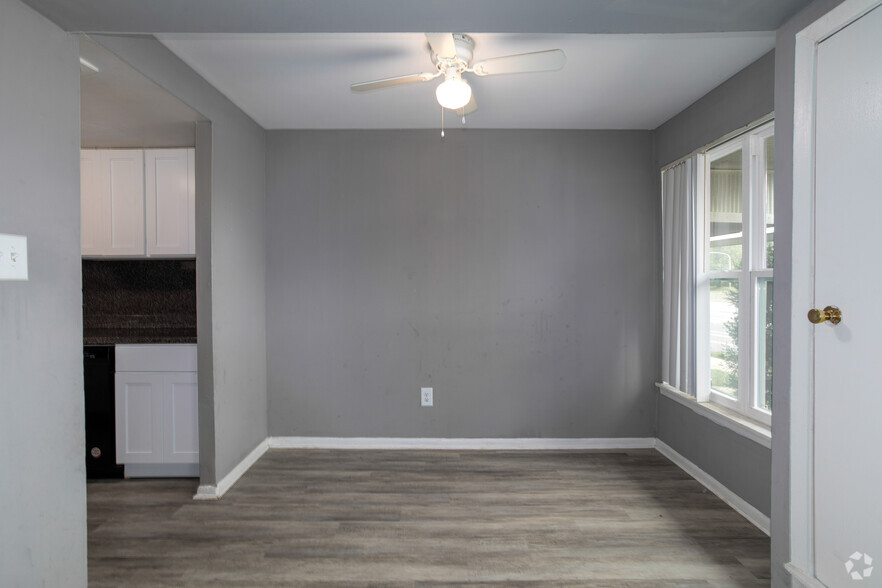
346, 16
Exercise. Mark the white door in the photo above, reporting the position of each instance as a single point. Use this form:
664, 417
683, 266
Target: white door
170, 201
140, 412
125, 182
848, 356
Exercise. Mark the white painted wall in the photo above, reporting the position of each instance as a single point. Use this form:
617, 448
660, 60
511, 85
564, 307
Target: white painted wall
42, 423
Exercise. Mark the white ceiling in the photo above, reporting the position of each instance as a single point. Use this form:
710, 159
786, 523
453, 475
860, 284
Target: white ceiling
301, 81
119, 107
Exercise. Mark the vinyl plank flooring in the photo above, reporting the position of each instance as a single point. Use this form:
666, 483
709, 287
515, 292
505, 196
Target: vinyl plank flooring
334, 518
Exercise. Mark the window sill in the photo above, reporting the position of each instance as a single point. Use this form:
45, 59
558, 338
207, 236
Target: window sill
730, 419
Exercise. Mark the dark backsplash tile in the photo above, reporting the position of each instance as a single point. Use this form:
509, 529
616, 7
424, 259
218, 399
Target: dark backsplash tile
139, 301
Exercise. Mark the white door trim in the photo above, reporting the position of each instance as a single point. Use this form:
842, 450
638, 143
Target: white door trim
801, 366
800, 579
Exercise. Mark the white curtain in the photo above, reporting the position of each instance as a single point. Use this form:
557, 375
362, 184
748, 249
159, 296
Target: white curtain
679, 189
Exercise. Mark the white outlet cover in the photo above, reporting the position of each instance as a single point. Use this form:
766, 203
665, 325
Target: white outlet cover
13, 257
426, 396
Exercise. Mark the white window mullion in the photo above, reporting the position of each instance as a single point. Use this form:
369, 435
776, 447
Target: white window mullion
758, 261
758, 208
731, 275
702, 286
753, 329
757, 372
754, 238
745, 297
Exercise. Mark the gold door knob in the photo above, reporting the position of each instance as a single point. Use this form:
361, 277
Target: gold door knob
830, 313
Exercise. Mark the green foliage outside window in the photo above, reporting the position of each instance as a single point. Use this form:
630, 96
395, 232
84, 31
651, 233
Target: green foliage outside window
730, 352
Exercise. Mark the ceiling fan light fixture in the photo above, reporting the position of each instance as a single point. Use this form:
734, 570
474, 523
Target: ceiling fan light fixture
454, 92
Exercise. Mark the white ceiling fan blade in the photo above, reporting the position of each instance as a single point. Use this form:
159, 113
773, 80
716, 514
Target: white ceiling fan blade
442, 44
551, 60
390, 82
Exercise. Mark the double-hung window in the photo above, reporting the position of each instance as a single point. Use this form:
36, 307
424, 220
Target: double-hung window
735, 260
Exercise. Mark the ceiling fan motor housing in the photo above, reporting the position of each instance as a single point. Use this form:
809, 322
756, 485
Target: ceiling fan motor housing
465, 50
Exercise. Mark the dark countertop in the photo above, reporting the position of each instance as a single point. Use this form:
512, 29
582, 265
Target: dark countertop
129, 336
139, 301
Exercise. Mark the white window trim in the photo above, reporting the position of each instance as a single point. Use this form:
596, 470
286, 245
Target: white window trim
748, 428
748, 280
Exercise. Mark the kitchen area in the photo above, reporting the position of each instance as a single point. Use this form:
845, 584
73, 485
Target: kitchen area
139, 273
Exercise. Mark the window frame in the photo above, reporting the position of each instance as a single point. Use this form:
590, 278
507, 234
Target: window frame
753, 271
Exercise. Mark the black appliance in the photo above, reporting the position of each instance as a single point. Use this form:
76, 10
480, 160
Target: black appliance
98, 370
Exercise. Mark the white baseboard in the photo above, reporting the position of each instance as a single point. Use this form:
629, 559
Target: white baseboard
529, 443
162, 470
740, 505
209, 492
801, 578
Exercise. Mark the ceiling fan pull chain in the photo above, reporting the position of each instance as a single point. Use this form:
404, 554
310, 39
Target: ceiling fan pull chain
442, 122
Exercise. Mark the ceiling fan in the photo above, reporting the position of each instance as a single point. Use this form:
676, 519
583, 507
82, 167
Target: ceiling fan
452, 55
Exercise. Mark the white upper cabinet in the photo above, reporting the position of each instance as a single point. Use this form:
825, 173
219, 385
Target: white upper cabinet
125, 180
112, 202
171, 202
138, 203
94, 205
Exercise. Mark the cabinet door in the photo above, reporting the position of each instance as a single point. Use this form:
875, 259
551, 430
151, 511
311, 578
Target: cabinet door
94, 205
124, 169
181, 418
170, 202
140, 408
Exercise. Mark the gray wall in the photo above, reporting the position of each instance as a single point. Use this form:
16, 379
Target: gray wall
739, 101
42, 424
741, 465
784, 96
513, 271
231, 260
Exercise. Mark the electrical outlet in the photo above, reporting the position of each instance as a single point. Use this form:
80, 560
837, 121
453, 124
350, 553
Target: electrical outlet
13, 257
426, 396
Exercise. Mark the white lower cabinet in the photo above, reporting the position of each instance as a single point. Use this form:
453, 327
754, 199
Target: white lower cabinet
140, 397
157, 423
181, 443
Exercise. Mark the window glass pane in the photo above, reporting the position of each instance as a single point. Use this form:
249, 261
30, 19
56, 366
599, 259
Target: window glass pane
725, 213
769, 198
724, 335
766, 297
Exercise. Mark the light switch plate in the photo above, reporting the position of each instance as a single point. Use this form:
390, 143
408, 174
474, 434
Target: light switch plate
13, 257
426, 396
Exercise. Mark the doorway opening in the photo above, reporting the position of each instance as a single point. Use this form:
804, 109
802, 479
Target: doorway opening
138, 214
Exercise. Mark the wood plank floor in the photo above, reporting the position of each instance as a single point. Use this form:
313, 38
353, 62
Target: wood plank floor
427, 518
